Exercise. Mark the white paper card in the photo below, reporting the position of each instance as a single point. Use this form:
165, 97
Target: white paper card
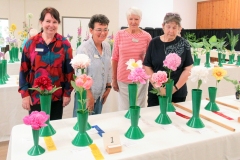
111, 139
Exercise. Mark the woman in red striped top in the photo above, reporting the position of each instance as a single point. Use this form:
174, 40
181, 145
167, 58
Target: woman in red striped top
130, 43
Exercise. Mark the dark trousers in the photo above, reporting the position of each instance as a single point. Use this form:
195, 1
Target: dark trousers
56, 109
153, 99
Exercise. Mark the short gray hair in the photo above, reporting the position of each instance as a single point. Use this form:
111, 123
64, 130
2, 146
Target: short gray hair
134, 11
172, 17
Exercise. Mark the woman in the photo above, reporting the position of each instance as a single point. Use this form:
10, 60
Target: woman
130, 43
47, 54
161, 46
100, 70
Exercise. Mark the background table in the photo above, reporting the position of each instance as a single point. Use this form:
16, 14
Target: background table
175, 141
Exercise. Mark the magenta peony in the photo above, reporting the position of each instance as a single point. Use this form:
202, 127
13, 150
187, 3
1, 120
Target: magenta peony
36, 119
138, 75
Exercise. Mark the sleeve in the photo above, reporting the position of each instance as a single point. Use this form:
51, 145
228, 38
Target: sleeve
68, 70
148, 58
115, 55
24, 71
188, 60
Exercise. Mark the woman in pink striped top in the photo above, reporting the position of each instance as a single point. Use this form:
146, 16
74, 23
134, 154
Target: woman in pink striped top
130, 43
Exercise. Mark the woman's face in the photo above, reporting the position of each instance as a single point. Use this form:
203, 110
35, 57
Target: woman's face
171, 30
133, 21
99, 33
49, 24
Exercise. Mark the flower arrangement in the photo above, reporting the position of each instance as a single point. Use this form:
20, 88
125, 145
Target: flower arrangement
69, 37
236, 83
208, 45
171, 62
43, 85
11, 40
158, 79
199, 74
36, 120
218, 73
233, 40
79, 34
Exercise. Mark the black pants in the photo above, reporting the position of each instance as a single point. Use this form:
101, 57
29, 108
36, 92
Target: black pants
153, 99
56, 109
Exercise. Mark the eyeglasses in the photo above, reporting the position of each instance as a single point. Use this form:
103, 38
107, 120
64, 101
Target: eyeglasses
100, 30
173, 14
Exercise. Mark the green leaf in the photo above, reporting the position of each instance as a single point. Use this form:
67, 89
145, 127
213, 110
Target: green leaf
213, 39
199, 83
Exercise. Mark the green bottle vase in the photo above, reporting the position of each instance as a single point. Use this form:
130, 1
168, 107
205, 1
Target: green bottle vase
207, 63
5, 75
2, 79
82, 138
169, 88
134, 132
231, 58
212, 105
195, 121
223, 60
80, 106
36, 149
238, 60
196, 60
45, 103
11, 55
163, 118
220, 59
16, 52
132, 96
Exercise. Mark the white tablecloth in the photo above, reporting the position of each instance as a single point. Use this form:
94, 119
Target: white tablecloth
176, 141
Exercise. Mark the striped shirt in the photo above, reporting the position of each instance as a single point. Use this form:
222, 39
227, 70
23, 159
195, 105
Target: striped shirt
129, 46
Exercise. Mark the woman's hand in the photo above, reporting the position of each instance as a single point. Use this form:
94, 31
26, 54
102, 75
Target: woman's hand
27, 102
66, 101
115, 85
105, 95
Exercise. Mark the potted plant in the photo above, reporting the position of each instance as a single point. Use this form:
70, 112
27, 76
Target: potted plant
236, 84
233, 39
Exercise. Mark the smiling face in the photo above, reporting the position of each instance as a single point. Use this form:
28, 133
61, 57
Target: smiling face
99, 32
49, 24
171, 30
133, 21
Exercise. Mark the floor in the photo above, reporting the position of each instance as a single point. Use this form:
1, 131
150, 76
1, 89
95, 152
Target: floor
3, 149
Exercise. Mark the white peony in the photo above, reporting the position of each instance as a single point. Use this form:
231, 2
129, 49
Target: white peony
29, 15
132, 64
199, 74
80, 61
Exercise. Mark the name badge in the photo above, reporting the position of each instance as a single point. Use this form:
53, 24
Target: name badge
96, 56
39, 49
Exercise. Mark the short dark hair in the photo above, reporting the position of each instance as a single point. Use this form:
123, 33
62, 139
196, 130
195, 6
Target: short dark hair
99, 18
54, 13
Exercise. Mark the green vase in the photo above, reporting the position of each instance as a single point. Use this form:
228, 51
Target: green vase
238, 60
207, 63
21, 49
169, 88
78, 44
80, 106
82, 138
163, 118
45, 103
2, 79
231, 58
195, 121
11, 55
16, 51
5, 75
134, 132
196, 60
36, 149
223, 60
212, 105
220, 59
132, 96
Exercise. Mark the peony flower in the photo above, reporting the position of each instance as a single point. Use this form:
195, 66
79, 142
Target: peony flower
218, 73
80, 61
132, 64
199, 74
36, 119
84, 81
138, 75
159, 78
43, 85
171, 62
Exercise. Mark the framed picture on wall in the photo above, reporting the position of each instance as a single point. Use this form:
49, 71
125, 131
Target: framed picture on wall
70, 27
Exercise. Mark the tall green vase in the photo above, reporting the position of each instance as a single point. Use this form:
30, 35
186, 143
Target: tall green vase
195, 121
134, 132
132, 96
79, 105
16, 51
82, 138
231, 58
163, 118
223, 60
36, 149
169, 88
11, 55
220, 59
207, 63
238, 60
212, 105
45, 102
2, 79
5, 75
196, 60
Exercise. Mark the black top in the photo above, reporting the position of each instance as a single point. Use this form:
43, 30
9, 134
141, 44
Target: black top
156, 54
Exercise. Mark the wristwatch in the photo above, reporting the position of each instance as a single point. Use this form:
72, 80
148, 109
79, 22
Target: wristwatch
175, 87
108, 87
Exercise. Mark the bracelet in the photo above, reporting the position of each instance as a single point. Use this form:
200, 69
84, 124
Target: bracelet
108, 87
176, 87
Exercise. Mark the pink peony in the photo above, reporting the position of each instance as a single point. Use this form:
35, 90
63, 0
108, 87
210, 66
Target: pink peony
138, 75
172, 61
159, 78
36, 119
84, 81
